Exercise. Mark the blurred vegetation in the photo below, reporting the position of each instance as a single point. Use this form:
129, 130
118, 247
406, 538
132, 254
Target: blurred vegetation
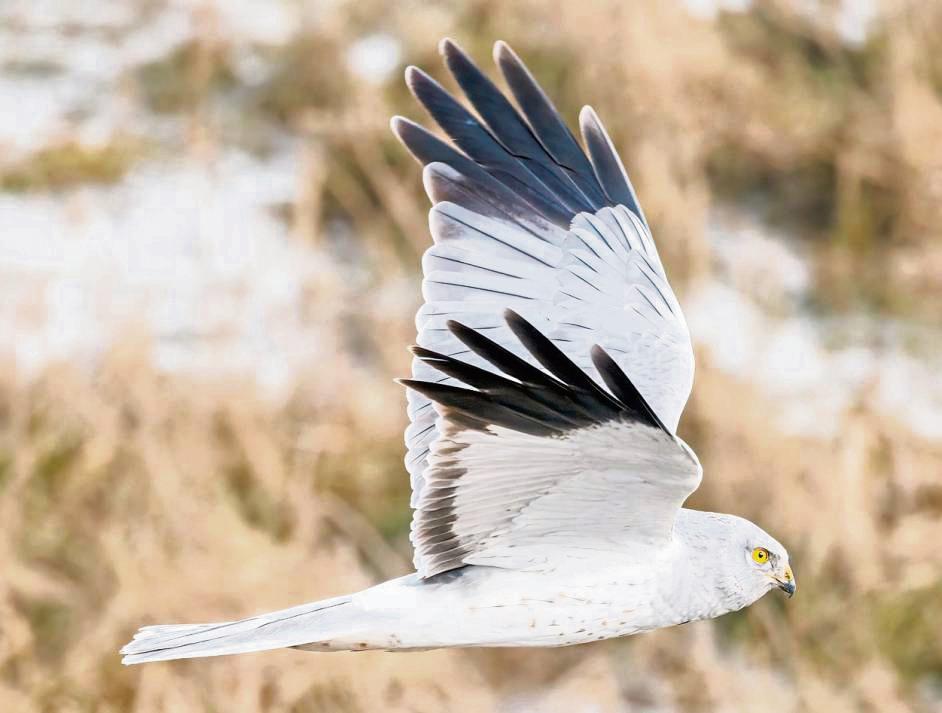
186, 77
907, 626
71, 164
132, 496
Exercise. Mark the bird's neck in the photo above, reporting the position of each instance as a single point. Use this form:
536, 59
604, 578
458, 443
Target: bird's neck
705, 579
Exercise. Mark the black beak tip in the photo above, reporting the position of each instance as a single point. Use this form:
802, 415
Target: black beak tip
789, 588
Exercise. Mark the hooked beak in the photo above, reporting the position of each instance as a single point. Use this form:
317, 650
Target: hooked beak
787, 583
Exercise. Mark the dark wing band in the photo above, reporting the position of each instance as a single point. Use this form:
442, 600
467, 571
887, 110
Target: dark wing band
531, 401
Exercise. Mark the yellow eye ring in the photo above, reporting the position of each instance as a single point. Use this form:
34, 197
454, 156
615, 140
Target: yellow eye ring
760, 555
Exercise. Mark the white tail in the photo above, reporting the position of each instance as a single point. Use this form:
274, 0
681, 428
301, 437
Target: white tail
309, 625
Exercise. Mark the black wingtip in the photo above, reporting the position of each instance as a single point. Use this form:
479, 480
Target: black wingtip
510, 316
422, 387
411, 135
426, 355
622, 387
421, 84
410, 72
503, 52
604, 364
424, 146
396, 125
523, 330
523, 397
415, 78
457, 328
507, 60
446, 45
403, 127
588, 117
456, 59
471, 338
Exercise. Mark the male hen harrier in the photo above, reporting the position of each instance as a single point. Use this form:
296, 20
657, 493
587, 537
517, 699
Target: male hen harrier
552, 367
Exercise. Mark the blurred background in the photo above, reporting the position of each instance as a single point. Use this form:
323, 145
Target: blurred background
209, 267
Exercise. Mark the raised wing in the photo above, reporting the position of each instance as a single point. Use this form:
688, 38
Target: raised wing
540, 467
523, 218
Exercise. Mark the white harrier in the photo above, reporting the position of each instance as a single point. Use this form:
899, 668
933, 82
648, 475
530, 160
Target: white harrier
554, 362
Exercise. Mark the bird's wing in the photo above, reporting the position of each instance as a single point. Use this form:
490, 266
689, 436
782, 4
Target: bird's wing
535, 466
523, 218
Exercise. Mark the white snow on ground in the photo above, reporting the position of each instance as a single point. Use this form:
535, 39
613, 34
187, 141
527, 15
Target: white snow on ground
190, 250
72, 56
185, 248
61, 66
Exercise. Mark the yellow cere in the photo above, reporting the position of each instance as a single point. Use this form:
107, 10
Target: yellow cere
760, 555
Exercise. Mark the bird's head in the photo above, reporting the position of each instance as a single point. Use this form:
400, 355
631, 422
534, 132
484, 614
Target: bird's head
738, 557
764, 561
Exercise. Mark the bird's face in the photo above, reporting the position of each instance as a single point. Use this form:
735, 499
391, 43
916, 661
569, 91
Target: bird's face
757, 561
767, 562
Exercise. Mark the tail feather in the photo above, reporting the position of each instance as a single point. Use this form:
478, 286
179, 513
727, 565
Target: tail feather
302, 625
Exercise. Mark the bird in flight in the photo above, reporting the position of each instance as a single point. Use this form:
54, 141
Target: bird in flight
552, 366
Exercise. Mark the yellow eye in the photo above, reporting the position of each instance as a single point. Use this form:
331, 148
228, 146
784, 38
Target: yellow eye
760, 555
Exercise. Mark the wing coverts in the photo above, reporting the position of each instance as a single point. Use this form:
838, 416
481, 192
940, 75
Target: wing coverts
511, 447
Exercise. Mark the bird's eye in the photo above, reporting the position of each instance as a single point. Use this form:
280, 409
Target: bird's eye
760, 555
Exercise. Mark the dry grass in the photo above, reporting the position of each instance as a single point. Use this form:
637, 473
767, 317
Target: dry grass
71, 163
130, 496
